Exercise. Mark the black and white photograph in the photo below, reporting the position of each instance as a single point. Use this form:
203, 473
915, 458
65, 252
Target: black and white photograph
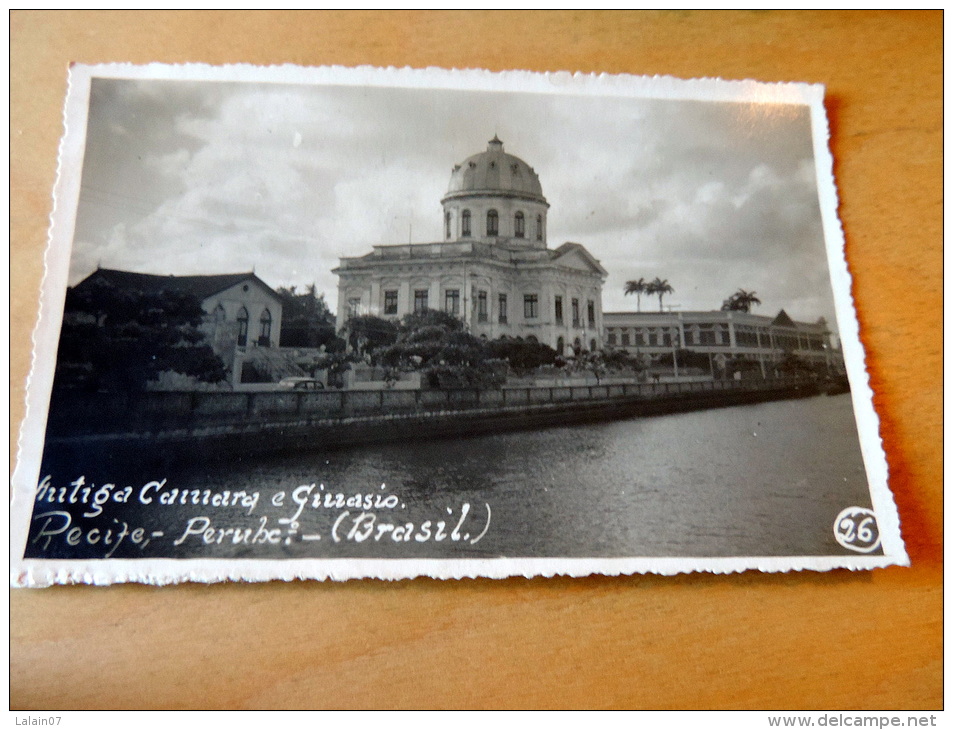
330, 323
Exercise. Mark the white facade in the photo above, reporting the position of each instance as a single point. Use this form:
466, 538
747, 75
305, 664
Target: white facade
247, 314
493, 270
723, 335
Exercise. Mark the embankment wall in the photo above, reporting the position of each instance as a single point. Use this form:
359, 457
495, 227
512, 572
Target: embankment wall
242, 422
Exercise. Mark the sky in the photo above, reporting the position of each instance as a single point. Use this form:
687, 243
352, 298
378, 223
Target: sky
191, 177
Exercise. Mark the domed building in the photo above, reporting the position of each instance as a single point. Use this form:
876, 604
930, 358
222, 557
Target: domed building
494, 269
494, 197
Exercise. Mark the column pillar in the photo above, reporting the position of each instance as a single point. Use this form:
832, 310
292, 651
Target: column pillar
433, 297
374, 305
404, 302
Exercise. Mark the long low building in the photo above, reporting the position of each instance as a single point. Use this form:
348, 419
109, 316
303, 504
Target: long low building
724, 335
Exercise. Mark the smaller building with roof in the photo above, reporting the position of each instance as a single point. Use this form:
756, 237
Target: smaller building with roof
242, 313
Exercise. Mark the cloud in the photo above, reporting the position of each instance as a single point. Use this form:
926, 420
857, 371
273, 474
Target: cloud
188, 177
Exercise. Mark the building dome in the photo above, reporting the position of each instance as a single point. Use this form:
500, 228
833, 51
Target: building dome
494, 172
495, 198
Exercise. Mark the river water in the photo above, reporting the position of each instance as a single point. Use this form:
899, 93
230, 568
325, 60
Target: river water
765, 479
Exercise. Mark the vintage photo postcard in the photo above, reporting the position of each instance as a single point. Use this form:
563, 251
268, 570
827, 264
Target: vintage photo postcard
342, 323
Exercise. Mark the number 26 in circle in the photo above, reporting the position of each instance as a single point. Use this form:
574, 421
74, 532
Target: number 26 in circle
856, 529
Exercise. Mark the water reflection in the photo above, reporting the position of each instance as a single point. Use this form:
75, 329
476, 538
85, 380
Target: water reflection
765, 479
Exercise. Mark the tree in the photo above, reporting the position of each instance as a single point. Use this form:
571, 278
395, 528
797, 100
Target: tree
436, 344
740, 301
522, 356
306, 320
621, 361
367, 334
660, 287
637, 287
430, 318
793, 364
335, 364
119, 339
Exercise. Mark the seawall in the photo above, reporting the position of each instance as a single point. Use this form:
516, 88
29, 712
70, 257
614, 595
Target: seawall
86, 428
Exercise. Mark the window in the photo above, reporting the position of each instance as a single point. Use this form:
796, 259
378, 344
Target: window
519, 225
625, 339
575, 313
559, 310
390, 301
353, 307
653, 338
451, 302
639, 338
492, 223
465, 223
448, 225
502, 304
560, 346
592, 345
218, 315
264, 339
591, 313
242, 327
482, 313
666, 339
539, 227
746, 336
611, 338
420, 301
530, 306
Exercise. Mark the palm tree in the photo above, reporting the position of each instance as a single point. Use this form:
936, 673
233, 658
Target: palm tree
741, 301
637, 287
660, 287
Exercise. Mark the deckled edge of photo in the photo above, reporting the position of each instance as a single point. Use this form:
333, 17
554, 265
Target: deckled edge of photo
848, 326
160, 571
45, 338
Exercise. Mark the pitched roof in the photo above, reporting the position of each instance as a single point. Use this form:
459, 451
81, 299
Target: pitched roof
201, 286
569, 247
783, 320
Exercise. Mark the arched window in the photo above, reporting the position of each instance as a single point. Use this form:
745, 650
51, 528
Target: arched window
242, 327
218, 316
592, 345
448, 225
560, 346
519, 225
264, 340
539, 227
465, 224
492, 223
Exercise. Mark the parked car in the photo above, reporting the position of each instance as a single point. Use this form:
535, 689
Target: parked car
300, 384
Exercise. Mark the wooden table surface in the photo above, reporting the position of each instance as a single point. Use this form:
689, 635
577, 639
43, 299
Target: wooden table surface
801, 641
